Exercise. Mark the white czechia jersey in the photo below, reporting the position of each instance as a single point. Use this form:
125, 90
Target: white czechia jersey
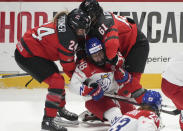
137, 120
88, 72
174, 70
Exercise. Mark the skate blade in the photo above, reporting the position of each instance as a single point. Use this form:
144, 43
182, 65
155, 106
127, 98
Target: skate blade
65, 123
94, 124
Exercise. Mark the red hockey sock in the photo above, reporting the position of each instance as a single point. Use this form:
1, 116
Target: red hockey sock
55, 92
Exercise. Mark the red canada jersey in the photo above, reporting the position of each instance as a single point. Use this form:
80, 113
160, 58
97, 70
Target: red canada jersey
52, 41
116, 32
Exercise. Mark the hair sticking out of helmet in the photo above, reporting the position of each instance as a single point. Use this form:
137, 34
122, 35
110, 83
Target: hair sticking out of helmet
153, 99
92, 8
95, 51
78, 20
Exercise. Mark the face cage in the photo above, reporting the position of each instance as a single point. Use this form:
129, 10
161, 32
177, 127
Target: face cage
99, 64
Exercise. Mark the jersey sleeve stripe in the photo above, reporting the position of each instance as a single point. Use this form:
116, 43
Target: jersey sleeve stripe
26, 47
111, 37
111, 29
61, 61
65, 53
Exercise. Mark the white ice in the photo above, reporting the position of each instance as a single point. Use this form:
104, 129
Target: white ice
22, 110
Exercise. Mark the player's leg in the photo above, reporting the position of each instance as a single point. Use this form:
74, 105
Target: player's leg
44, 70
105, 108
135, 61
125, 107
56, 100
63, 112
175, 93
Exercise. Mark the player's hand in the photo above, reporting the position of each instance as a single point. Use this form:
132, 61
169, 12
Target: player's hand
118, 60
122, 76
93, 90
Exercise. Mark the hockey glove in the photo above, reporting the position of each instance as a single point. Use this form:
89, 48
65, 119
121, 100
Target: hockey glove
94, 90
122, 77
118, 60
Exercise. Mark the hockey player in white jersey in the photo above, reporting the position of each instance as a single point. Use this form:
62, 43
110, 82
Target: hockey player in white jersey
92, 81
92, 78
172, 83
146, 118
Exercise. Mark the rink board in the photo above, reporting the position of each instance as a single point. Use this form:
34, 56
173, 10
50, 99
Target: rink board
148, 81
20, 82
161, 23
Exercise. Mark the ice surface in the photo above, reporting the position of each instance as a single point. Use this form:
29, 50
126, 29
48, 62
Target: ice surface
22, 110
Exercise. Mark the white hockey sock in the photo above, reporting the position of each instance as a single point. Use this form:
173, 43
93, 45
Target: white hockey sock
112, 114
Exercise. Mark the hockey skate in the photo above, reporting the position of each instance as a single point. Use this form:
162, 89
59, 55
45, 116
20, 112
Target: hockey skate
49, 124
86, 118
66, 118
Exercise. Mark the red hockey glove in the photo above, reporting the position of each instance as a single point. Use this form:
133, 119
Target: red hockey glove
118, 60
94, 90
122, 77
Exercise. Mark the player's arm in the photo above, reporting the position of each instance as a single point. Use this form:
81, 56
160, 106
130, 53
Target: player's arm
111, 42
124, 33
78, 84
67, 61
122, 77
68, 66
77, 81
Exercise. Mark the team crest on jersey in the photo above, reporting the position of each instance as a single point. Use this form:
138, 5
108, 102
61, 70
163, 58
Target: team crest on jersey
104, 82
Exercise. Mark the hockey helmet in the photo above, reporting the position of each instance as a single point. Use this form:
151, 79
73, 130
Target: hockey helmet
92, 8
152, 98
77, 19
95, 49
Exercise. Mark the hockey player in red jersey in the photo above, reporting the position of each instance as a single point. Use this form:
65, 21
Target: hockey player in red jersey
40, 47
172, 83
146, 118
120, 34
92, 78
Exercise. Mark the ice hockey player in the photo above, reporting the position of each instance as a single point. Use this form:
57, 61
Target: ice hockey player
172, 83
146, 118
119, 34
92, 79
37, 51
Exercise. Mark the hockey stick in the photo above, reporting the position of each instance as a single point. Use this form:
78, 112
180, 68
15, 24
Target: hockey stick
17, 75
20, 75
131, 101
14, 75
